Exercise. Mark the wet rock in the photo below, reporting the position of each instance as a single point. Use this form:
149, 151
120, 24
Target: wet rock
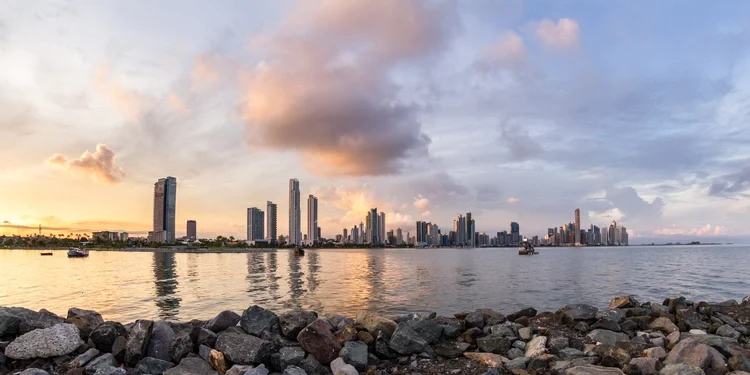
191, 366
138, 340
201, 336
494, 344
158, 346
474, 320
536, 347
119, 348
181, 346
518, 363
102, 361
593, 370
58, 340
318, 340
406, 341
427, 329
339, 367
84, 358
110, 370
691, 320
365, 337
217, 361
612, 356
355, 354
105, 334
311, 365
294, 370
739, 363
664, 325
568, 354
646, 366
85, 320
675, 304
607, 324
8, 323
658, 353
291, 356
607, 337
691, 352
153, 366
527, 312
293, 322
222, 321
256, 320
727, 331
487, 359
577, 313
243, 349
376, 324
382, 350
681, 369
623, 303
472, 334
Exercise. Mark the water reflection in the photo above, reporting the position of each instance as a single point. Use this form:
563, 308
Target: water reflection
165, 282
374, 277
312, 271
296, 284
271, 277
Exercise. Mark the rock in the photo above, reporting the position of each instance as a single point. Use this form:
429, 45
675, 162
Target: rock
451, 349
724, 345
158, 346
692, 352
524, 333
376, 324
691, 320
607, 324
623, 303
243, 349
318, 340
471, 334
85, 320
664, 325
727, 331
658, 341
607, 337
105, 334
33, 371
427, 329
31, 320
581, 327
558, 343
681, 369
224, 320
8, 323
572, 314
217, 361
348, 333
494, 344
293, 322
406, 341
492, 317
475, 319
612, 356
138, 340
202, 336
519, 344
675, 304
291, 356
181, 346
84, 358
502, 330
593, 370
487, 359
634, 349
260, 370
256, 320
204, 352
527, 312
491, 371
523, 321
570, 353
294, 370
672, 339
238, 369
365, 337
518, 363
536, 347
110, 370
452, 328
514, 353
339, 367
739, 362
58, 340
658, 353
382, 350
617, 315
100, 362
311, 365
191, 366
355, 354
153, 366
119, 348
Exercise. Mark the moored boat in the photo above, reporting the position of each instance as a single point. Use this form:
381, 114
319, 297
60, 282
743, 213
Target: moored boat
527, 249
75, 252
46, 254
298, 251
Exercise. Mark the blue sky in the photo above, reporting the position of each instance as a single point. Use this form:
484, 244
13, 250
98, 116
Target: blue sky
515, 111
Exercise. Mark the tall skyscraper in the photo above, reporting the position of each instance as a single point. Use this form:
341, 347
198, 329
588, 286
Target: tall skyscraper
381, 228
515, 233
192, 230
295, 216
355, 235
361, 233
612, 234
421, 239
346, 235
578, 227
399, 237
165, 202
312, 219
271, 222
459, 226
373, 229
255, 229
469, 230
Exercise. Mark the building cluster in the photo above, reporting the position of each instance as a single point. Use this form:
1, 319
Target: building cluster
571, 234
371, 232
107, 236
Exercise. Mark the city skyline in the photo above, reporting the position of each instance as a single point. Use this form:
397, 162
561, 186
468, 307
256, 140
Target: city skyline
513, 111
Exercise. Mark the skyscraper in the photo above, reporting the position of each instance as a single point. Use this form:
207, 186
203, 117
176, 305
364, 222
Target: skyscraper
346, 235
515, 233
381, 228
578, 227
191, 230
295, 227
271, 223
361, 233
372, 226
165, 202
255, 230
399, 237
312, 219
469, 231
459, 226
355, 235
421, 239
612, 234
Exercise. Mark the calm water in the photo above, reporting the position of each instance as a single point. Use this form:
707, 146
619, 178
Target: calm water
129, 286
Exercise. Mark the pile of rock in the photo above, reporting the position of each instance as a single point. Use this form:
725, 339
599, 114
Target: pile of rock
673, 337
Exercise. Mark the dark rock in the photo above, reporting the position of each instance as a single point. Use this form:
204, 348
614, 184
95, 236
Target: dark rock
681, 369
645, 366
517, 364
382, 350
153, 366
638, 311
675, 304
541, 362
311, 365
452, 328
204, 352
607, 337
243, 349
576, 343
355, 354
293, 322
294, 370
105, 334
8, 323
616, 315
58, 340
406, 341
119, 348
224, 320
612, 356
694, 353
427, 329
260, 370
523, 321
581, 327
577, 313
471, 334
256, 320
83, 359
238, 330
365, 337
181, 346
158, 346
557, 343
607, 324
348, 333
372, 360
514, 353
494, 344
492, 317
85, 320
727, 319
623, 303
201, 336
570, 353
727, 331
109, 370
691, 320
191, 366
31, 320
724, 345
33, 371
451, 349
633, 348
527, 312
291, 357
138, 340
318, 340
100, 362
475, 320
502, 330
628, 326
376, 324
642, 322
277, 340
739, 362
664, 325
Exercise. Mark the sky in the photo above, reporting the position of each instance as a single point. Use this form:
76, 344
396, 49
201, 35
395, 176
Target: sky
634, 111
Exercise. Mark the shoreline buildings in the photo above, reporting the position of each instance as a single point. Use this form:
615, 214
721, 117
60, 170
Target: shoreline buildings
295, 230
165, 202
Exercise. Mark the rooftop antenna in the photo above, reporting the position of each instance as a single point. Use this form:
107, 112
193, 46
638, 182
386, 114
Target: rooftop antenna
40, 229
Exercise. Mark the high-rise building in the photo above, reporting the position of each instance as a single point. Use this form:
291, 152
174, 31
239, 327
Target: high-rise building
372, 226
355, 235
361, 233
192, 234
312, 219
578, 227
434, 235
346, 235
612, 234
459, 226
295, 216
469, 230
391, 236
255, 230
165, 202
271, 222
623, 236
381, 228
399, 237
421, 238
515, 233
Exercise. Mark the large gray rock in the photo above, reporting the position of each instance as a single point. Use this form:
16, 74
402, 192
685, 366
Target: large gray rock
294, 370
406, 341
291, 356
153, 366
451, 349
376, 324
681, 369
691, 320
110, 370
260, 370
158, 346
475, 319
593, 370
137, 345
224, 320
494, 344
32, 320
33, 371
58, 340
311, 365
607, 324
105, 334
318, 340
607, 337
625, 302
739, 362
293, 322
664, 325
536, 347
578, 313
427, 329
355, 354
8, 323
181, 346
518, 363
724, 345
646, 366
568, 354
192, 366
339, 367
692, 352
502, 330
243, 349
528, 312
84, 358
102, 361
85, 320
256, 320
202, 336
120, 348
727, 331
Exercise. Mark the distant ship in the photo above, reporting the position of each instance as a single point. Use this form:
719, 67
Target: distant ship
75, 252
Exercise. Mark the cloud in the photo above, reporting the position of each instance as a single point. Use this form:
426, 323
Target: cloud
507, 51
126, 101
325, 87
100, 165
425, 214
625, 204
177, 104
705, 230
517, 140
512, 200
730, 184
560, 35
421, 203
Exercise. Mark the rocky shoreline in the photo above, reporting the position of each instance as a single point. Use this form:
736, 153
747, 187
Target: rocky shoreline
672, 337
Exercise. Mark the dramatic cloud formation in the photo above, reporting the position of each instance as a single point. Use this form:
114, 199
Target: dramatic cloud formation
512, 200
625, 204
325, 88
705, 230
100, 165
563, 34
122, 99
731, 184
508, 51
421, 203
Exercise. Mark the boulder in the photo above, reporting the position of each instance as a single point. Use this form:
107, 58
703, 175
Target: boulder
339, 367
293, 322
691, 320
487, 359
102, 361
119, 348
382, 349
451, 349
355, 354
514, 353
158, 346
376, 324
502, 330
634, 349
8, 323
238, 369
153, 366
217, 361
224, 320
311, 365
675, 304
527, 312
31, 320
524, 333
724, 345
536, 347
664, 325
427, 329
727, 331
578, 313
406, 341
58, 340
365, 337
110, 370
492, 317
294, 370
474, 320
204, 352
681, 369
517, 364
105, 334
192, 366
452, 328
348, 333
138, 340
318, 340
181, 346
84, 358
692, 352
260, 370
739, 362
623, 303
607, 324
291, 356
568, 354
616, 315
201, 336
593, 370
256, 320
612, 356
494, 343
607, 337
243, 349
658, 353
85, 320
33, 371
557, 343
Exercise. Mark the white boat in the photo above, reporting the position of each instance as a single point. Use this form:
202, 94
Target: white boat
75, 252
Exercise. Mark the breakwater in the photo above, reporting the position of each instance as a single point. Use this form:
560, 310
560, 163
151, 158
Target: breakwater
676, 336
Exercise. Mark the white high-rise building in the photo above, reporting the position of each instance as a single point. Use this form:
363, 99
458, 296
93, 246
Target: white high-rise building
295, 215
381, 229
312, 219
271, 222
255, 230
361, 233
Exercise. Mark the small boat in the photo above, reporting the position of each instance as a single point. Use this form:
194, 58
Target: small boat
298, 251
527, 249
46, 254
75, 252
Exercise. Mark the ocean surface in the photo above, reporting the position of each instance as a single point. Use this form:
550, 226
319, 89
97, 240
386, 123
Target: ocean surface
126, 286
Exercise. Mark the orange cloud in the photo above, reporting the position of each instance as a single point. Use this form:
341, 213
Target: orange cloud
563, 34
512, 200
508, 49
177, 104
125, 101
100, 165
